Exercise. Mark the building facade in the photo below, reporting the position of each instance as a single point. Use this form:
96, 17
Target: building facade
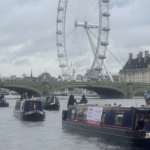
136, 70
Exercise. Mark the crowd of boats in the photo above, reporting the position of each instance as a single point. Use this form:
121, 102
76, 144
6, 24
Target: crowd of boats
119, 125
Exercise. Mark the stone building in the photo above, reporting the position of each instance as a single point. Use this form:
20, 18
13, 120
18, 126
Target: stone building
136, 70
45, 76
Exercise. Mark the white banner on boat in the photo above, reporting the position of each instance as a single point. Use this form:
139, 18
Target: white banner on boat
94, 115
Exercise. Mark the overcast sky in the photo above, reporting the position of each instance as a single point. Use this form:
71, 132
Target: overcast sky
28, 39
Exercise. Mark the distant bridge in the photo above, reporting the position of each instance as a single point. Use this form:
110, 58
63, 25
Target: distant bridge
104, 89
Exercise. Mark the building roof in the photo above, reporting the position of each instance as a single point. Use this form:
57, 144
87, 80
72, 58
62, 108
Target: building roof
136, 63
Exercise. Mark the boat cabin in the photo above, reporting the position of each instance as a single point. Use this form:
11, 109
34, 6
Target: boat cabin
125, 118
50, 99
28, 105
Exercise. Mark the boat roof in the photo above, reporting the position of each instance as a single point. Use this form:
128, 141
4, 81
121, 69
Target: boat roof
28, 100
142, 108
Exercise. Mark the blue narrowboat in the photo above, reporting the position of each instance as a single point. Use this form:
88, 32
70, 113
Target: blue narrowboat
114, 124
29, 110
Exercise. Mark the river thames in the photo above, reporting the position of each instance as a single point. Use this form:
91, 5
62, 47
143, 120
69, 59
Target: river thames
16, 134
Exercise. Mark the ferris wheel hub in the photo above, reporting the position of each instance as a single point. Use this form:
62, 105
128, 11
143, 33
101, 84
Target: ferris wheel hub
85, 25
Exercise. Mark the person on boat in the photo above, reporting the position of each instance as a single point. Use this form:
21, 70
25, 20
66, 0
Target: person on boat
71, 101
145, 121
2, 98
83, 100
36, 95
140, 124
22, 97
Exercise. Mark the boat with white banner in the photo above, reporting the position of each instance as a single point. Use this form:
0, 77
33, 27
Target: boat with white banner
115, 124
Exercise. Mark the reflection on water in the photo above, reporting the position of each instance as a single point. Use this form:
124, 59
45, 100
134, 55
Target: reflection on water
16, 134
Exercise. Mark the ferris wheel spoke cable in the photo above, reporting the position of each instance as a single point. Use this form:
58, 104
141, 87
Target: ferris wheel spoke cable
71, 13
87, 9
117, 52
69, 43
102, 61
93, 48
74, 49
72, 6
109, 51
77, 49
90, 4
115, 57
93, 13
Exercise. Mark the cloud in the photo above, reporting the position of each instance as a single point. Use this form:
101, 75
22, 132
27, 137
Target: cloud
28, 35
22, 62
129, 23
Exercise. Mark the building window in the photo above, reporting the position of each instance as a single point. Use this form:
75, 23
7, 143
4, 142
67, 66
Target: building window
103, 117
73, 114
119, 118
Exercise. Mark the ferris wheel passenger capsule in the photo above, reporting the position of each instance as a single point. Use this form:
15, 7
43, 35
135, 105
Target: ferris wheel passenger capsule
98, 69
60, 9
62, 65
59, 32
103, 43
105, 29
60, 55
106, 14
102, 57
105, 1
59, 20
59, 44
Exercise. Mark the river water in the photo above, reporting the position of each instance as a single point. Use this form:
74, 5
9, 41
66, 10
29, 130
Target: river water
16, 134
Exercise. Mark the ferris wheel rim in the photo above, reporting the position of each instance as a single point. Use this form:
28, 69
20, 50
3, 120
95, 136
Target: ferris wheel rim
64, 43
63, 74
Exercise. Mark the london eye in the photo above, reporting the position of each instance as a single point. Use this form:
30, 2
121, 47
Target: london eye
82, 36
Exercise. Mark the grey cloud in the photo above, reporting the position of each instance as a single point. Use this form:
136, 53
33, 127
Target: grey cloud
32, 24
22, 62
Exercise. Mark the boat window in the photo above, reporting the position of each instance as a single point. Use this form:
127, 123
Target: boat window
136, 121
17, 107
48, 100
84, 114
119, 118
73, 114
103, 117
32, 105
79, 115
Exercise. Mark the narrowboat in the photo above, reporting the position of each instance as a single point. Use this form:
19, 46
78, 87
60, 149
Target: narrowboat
51, 103
114, 124
3, 103
27, 109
